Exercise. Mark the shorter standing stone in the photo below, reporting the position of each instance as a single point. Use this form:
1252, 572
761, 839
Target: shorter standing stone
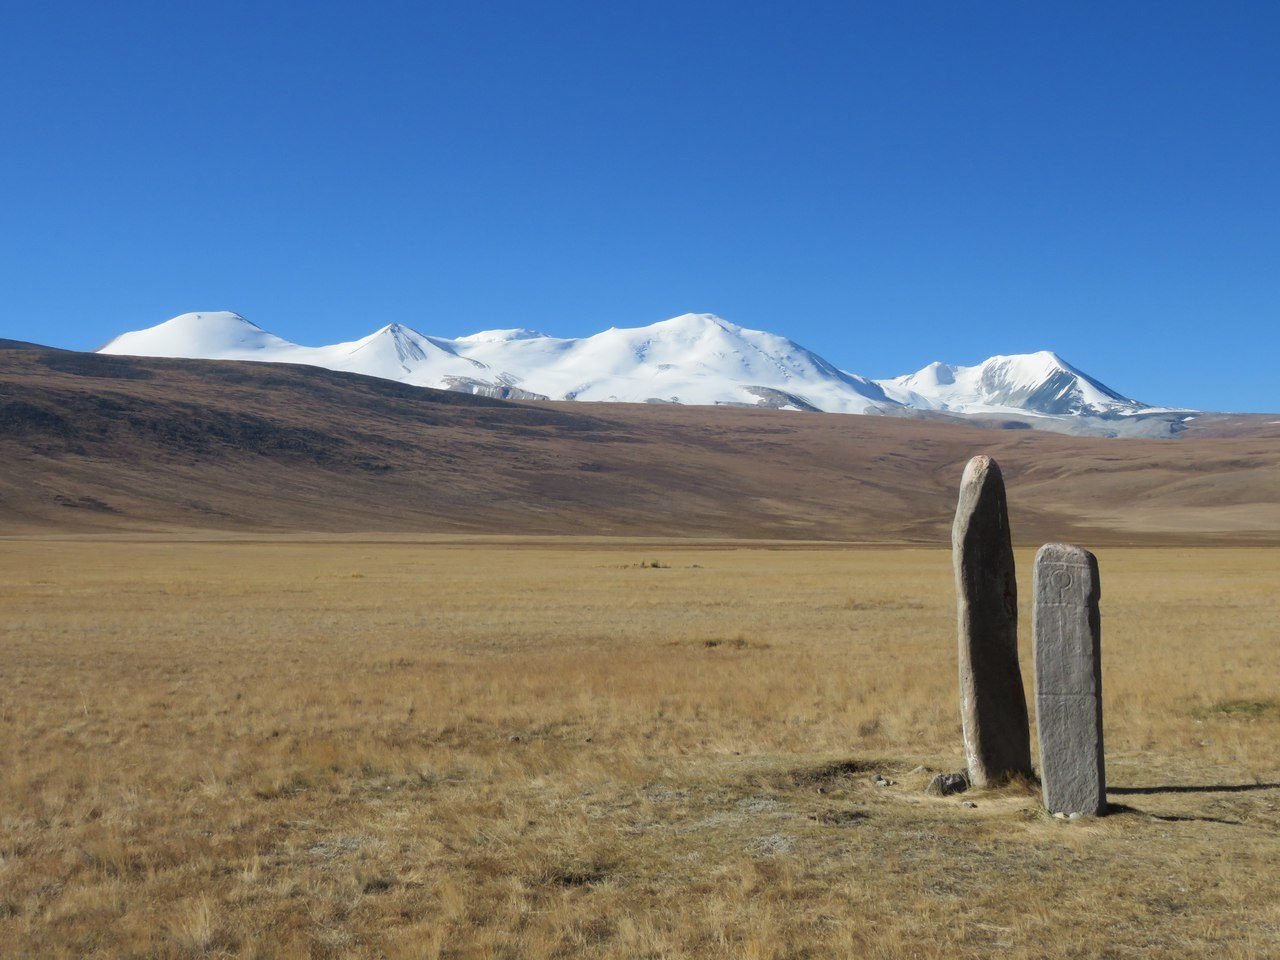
1068, 656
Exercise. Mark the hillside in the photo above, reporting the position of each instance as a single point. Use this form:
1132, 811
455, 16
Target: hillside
96, 443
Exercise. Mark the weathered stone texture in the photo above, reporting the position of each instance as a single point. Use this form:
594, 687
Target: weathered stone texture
945, 784
1068, 657
993, 705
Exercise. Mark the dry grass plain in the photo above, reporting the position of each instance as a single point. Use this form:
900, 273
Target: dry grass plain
605, 749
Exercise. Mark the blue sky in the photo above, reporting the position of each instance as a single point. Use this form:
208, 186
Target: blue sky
887, 184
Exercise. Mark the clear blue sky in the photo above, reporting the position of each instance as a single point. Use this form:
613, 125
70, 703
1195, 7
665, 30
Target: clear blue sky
887, 183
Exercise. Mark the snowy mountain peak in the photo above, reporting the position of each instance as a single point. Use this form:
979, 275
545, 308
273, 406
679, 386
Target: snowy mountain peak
696, 323
214, 322
502, 336
211, 318
406, 344
1039, 383
397, 333
196, 334
1029, 366
936, 374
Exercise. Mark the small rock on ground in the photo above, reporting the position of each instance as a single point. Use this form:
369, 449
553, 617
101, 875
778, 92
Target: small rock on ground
946, 784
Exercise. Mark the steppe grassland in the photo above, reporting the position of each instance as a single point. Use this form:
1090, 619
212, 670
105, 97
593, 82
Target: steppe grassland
544, 749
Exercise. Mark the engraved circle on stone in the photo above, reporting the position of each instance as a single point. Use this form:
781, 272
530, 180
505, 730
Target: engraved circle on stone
1061, 578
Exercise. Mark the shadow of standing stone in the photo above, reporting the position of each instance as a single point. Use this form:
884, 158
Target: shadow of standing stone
1068, 656
993, 706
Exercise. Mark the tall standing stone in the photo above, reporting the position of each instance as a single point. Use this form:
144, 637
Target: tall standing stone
1068, 655
993, 705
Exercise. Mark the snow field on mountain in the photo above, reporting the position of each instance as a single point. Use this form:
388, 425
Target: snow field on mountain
691, 359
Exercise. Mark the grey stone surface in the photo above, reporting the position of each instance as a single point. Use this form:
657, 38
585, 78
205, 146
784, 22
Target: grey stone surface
993, 705
1068, 656
946, 784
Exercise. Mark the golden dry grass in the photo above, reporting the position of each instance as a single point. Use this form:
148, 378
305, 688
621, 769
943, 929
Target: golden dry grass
605, 750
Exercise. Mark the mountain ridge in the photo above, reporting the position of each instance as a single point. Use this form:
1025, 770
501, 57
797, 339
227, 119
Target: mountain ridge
691, 359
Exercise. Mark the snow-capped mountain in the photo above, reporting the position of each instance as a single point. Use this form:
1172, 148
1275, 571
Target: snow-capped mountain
1035, 383
395, 352
690, 359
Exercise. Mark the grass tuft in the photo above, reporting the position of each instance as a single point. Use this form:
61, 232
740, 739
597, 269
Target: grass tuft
1238, 709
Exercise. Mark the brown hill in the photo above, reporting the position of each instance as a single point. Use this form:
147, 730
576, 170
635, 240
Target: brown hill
114, 444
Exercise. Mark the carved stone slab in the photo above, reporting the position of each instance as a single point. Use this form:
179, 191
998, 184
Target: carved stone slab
993, 705
1068, 655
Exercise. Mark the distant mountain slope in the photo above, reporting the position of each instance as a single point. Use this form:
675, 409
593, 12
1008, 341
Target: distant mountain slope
114, 444
691, 359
